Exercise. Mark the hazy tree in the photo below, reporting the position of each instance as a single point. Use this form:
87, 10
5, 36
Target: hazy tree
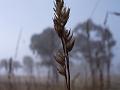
108, 44
45, 45
83, 45
92, 42
38, 67
10, 65
16, 65
4, 64
28, 64
117, 68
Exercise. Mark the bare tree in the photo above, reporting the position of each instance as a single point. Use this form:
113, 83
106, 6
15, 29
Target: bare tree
95, 50
44, 45
10, 65
108, 44
84, 46
28, 64
4, 64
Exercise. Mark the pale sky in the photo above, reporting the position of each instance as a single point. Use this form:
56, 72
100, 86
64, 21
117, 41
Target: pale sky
35, 15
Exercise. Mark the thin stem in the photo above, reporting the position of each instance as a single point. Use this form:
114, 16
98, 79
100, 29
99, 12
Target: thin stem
66, 78
67, 63
68, 69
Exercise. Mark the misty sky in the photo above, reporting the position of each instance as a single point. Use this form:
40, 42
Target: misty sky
32, 16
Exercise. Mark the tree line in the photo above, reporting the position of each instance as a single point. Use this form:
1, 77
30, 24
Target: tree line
93, 45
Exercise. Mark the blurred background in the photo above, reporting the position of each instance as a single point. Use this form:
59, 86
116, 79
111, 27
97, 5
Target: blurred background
29, 43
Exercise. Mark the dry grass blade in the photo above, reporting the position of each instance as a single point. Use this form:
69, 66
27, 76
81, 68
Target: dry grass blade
61, 17
70, 45
60, 58
61, 70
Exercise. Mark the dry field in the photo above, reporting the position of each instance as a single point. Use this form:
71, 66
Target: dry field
30, 83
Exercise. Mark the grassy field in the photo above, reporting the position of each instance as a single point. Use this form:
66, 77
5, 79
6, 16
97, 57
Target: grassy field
30, 83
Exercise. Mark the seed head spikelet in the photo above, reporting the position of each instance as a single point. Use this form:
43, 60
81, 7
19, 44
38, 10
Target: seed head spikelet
61, 16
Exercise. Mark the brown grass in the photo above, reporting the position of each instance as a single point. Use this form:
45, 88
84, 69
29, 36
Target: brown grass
28, 83
61, 17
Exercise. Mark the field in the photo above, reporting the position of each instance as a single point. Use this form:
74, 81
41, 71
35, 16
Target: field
31, 83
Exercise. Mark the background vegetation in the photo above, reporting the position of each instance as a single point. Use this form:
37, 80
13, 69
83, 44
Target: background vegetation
86, 55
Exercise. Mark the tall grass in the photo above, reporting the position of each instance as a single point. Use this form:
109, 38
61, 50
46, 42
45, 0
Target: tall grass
61, 17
